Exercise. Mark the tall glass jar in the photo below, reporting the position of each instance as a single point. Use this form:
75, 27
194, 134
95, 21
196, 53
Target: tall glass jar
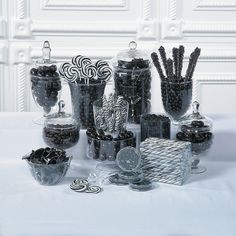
132, 76
45, 82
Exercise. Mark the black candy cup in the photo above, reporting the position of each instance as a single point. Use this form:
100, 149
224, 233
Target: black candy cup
82, 98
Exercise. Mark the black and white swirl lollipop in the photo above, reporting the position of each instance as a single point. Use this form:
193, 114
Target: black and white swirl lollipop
63, 67
72, 74
104, 72
88, 72
80, 61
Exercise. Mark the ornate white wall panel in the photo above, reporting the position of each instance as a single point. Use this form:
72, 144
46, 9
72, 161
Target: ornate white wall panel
79, 5
100, 28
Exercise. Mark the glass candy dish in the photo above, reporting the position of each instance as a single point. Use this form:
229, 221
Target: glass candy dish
45, 82
132, 76
61, 130
48, 166
197, 129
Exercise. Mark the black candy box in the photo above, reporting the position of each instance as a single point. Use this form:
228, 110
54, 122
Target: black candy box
132, 76
45, 81
61, 130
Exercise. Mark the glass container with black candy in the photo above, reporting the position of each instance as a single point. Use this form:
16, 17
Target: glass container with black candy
197, 129
61, 130
132, 76
45, 82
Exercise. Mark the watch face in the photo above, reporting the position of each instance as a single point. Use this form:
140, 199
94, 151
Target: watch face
128, 159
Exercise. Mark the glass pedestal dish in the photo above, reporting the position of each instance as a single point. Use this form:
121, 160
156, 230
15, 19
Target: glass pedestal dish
196, 129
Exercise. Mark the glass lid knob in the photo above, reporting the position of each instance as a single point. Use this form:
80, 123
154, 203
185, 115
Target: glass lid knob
46, 51
61, 105
132, 45
195, 107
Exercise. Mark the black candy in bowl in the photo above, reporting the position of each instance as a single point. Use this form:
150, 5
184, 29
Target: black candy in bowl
47, 165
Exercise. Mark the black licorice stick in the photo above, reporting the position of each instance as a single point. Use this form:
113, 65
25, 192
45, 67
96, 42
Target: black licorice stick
197, 52
170, 73
163, 57
187, 76
175, 53
180, 61
157, 64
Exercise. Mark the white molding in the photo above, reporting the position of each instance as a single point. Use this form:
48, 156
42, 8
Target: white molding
3, 54
209, 28
210, 79
214, 5
2, 87
171, 29
21, 87
91, 28
21, 24
172, 9
83, 5
147, 25
20, 54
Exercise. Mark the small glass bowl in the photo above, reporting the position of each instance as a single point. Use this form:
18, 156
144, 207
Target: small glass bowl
50, 174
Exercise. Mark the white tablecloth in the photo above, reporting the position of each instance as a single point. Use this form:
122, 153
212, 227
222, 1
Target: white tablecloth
205, 205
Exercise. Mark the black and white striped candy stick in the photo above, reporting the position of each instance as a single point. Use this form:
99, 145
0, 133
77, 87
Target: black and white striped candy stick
105, 107
163, 57
157, 64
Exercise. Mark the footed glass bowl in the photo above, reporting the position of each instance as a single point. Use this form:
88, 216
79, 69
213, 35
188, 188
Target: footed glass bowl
50, 174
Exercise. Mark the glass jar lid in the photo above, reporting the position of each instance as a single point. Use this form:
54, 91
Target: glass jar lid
132, 58
196, 122
46, 59
61, 119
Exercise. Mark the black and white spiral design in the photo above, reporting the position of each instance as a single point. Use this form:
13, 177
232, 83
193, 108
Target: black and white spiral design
104, 72
72, 73
63, 67
80, 61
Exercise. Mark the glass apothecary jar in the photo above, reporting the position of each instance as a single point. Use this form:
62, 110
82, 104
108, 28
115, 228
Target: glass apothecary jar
61, 130
197, 129
45, 81
132, 76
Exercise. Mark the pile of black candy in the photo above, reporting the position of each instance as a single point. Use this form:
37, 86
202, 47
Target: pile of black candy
45, 86
47, 156
201, 141
155, 126
176, 98
133, 82
61, 136
82, 98
105, 147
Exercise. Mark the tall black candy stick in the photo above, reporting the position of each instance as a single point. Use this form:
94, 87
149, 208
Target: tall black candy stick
163, 57
170, 73
195, 58
180, 61
175, 53
157, 64
188, 71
